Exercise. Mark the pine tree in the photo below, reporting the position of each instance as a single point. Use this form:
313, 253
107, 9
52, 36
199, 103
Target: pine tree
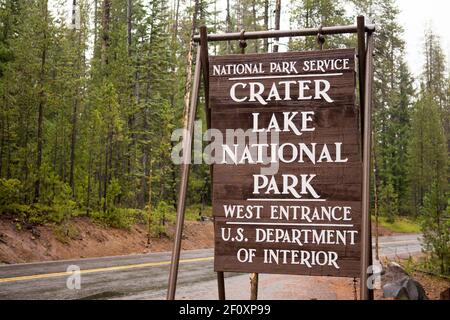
86, 129
393, 92
435, 74
10, 16
313, 14
429, 144
436, 78
436, 227
427, 154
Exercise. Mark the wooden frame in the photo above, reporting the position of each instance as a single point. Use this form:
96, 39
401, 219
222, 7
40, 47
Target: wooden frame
365, 75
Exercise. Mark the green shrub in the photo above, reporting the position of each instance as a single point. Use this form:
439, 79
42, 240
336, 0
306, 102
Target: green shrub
436, 229
55, 205
122, 218
65, 232
40, 213
54, 190
399, 225
193, 212
9, 195
388, 203
160, 216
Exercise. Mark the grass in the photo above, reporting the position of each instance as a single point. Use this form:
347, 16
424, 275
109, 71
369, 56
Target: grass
65, 232
400, 225
192, 212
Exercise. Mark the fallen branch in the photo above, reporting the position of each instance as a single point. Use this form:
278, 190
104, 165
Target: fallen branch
432, 273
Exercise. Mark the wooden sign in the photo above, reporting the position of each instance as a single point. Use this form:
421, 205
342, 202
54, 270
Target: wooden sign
287, 185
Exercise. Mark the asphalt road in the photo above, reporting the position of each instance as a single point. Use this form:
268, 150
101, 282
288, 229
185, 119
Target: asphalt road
145, 277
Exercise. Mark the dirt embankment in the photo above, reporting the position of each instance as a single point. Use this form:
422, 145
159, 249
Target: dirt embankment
382, 232
82, 238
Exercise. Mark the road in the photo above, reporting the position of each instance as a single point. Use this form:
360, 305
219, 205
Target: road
145, 277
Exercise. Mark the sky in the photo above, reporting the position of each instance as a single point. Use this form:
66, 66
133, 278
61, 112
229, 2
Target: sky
415, 17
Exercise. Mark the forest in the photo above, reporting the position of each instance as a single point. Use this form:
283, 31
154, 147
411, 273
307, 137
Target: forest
91, 90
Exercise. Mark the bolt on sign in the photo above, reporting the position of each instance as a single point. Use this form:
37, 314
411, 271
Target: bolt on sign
287, 177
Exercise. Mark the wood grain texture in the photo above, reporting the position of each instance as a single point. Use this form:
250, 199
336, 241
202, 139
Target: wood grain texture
338, 183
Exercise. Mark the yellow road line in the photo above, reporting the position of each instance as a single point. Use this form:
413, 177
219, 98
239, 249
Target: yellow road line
117, 268
127, 267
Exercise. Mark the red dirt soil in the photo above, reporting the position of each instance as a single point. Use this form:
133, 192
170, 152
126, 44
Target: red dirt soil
82, 238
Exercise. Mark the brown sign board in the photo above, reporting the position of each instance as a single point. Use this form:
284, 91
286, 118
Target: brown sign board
287, 185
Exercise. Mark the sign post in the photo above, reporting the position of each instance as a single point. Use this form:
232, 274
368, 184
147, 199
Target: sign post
181, 205
366, 243
290, 180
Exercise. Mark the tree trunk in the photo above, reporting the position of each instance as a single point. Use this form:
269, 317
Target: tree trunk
188, 83
255, 26
240, 15
129, 24
72, 145
277, 22
149, 218
266, 24
88, 196
77, 36
175, 23
41, 106
144, 160
106, 17
2, 146
8, 155
228, 22
131, 115
106, 178
24, 146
